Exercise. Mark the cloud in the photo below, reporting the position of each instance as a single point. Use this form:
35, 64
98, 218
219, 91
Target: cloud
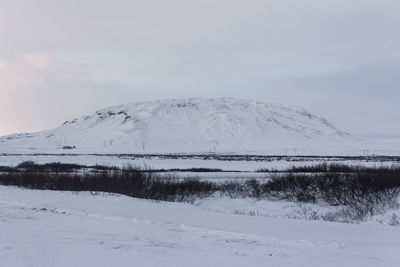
41, 90
317, 54
22, 71
38, 61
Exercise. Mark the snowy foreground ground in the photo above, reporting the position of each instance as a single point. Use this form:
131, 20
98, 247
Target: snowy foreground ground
47, 228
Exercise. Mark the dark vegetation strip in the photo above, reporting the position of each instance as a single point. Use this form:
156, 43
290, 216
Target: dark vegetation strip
131, 183
67, 167
333, 168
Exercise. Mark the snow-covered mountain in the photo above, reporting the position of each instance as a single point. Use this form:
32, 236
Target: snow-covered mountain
188, 125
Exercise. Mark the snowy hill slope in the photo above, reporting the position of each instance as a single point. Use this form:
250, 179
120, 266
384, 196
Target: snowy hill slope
189, 125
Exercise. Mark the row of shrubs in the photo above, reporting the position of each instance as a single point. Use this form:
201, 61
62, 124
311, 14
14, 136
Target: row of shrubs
135, 184
334, 168
32, 166
364, 191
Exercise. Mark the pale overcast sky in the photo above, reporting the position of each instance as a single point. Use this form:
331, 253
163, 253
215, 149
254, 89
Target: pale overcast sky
60, 59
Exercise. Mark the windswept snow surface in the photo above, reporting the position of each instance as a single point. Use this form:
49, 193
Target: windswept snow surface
191, 126
44, 228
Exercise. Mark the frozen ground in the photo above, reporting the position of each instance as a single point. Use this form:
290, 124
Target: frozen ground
44, 228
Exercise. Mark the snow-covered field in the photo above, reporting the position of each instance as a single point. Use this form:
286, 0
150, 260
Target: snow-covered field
45, 228
49, 228
187, 162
